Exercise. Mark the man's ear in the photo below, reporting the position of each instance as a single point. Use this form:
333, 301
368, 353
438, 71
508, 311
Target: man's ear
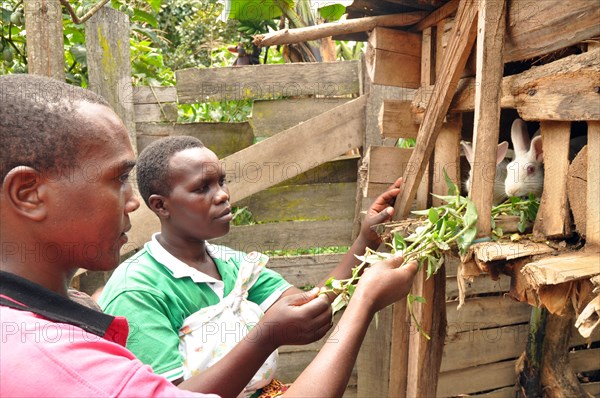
25, 190
158, 205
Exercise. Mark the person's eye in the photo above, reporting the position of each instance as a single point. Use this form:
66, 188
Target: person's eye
222, 181
124, 178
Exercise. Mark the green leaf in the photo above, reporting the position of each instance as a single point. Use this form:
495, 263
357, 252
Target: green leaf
143, 16
155, 4
332, 12
470, 217
433, 215
254, 10
398, 242
79, 53
416, 299
452, 187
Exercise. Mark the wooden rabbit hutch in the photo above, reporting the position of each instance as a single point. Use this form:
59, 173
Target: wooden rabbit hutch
422, 78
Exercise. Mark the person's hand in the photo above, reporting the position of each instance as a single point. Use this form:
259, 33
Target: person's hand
297, 319
384, 283
380, 211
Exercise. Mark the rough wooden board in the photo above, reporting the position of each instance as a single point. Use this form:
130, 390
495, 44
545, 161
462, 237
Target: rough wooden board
446, 158
45, 49
398, 370
155, 113
385, 165
295, 150
396, 120
592, 388
397, 41
537, 28
454, 60
393, 69
223, 139
562, 268
483, 346
593, 189
481, 285
553, 219
154, 94
267, 81
288, 235
373, 361
484, 313
577, 190
305, 270
340, 169
494, 251
490, 66
561, 90
505, 392
476, 378
109, 63
271, 117
302, 202
436, 16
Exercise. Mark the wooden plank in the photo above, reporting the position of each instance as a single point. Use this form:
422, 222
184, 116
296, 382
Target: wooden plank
223, 139
267, 81
384, 166
398, 369
154, 94
393, 69
538, 28
446, 158
553, 218
562, 268
480, 313
45, 48
396, 120
561, 90
288, 235
506, 392
340, 169
397, 41
482, 284
478, 347
109, 63
585, 360
305, 270
455, 58
592, 388
436, 16
271, 117
490, 67
505, 251
302, 202
592, 231
476, 378
295, 150
145, 113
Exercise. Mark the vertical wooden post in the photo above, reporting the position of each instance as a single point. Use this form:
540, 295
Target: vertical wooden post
593, 189
553, 218
45, 45
446, 157
490, 68
109, 63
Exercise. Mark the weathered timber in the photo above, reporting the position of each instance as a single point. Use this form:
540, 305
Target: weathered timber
340, 169
384, 166
482, 313
553, 219
436, 16
154, 94
271, 117
529, 382
394, 58
109, 63
455, 56
562, 268
593, 189
396, 120
298, 35
145, 113
398, 370
561, 90
505, 251
577, 190
223, 139
481, 284
589, 318
489, 69
446, 158
302, 202
295, 150
538, 28
45, 51
267, 81
288, 235
476, 378
304, 270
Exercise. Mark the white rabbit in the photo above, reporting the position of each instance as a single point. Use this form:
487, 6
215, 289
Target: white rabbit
499, 194
525, 174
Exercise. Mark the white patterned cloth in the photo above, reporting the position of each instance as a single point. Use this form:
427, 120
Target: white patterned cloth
207, 335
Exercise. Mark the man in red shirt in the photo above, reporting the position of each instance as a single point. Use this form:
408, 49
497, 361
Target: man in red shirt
65, 201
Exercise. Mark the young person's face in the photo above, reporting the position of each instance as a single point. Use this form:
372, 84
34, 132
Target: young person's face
198, 205
91, 205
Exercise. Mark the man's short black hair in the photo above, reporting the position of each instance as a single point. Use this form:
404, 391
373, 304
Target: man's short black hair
153, 175
39, 127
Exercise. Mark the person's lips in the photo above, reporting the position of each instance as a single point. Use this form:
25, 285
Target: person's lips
225, 215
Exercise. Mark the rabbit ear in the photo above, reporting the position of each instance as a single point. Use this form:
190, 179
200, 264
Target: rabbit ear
501, 151
536, 149
468, 151
520, 137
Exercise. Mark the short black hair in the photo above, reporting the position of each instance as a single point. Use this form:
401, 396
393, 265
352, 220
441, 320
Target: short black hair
39, 125
153, 164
